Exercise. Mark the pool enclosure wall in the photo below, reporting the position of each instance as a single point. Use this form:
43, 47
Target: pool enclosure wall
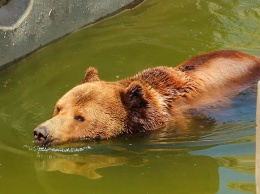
26, 25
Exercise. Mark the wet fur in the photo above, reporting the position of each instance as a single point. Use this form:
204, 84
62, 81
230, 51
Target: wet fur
148, 100
202, 80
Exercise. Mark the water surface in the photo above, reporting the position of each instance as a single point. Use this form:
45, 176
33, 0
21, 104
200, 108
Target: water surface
215, 155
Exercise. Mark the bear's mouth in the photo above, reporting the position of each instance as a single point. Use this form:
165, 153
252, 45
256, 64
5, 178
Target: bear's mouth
42, 143
41, 140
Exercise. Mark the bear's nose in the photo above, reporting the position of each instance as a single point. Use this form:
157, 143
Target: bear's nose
40, 134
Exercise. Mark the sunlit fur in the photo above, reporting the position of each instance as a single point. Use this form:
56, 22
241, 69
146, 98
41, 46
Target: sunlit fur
147, 101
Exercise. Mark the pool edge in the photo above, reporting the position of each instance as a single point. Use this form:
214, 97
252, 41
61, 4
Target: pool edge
258, 140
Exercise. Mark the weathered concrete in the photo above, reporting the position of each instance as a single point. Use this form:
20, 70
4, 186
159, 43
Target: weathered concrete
26, 25
258, 141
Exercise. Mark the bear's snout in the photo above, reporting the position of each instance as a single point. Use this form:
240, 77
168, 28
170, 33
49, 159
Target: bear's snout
40, 135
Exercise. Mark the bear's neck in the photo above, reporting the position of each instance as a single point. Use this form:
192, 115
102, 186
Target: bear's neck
168, 92
175, 87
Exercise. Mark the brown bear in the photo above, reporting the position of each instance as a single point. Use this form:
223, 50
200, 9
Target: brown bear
147, 101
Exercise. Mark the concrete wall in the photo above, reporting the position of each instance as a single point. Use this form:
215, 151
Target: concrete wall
26, 25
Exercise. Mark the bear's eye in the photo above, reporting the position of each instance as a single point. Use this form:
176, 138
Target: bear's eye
79, 118
58, 109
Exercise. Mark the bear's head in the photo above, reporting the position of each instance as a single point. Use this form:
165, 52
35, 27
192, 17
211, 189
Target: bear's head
97, 109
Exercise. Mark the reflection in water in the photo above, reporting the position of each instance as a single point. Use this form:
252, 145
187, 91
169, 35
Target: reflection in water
183, 168
84, 166
154, 167
244, 164
242, 187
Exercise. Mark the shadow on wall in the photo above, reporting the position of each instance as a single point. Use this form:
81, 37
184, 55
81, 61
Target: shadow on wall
13, 12
3, 2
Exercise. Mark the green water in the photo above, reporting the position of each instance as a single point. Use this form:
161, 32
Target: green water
215, 156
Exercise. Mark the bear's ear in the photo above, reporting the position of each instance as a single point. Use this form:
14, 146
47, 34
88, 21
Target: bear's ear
91, 75
133, 96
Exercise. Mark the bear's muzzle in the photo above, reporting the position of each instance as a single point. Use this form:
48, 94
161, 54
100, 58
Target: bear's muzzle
40, 135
